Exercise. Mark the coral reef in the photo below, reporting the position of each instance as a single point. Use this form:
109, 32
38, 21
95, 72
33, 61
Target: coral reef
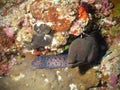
60, 15
45, 27
103, 7
8, 50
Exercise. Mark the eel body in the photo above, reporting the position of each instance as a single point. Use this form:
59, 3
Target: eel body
50, 61
82, 51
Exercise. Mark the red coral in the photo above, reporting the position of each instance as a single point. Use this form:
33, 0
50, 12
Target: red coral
82, 13
4, 68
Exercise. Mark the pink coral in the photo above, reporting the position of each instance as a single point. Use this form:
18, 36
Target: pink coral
5, 68
104, 6
113, 80
8, 31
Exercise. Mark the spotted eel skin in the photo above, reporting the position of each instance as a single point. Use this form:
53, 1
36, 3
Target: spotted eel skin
50, 61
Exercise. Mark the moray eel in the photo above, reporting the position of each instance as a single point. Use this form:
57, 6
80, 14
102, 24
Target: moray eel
43, 37
82, 51
42, 29
50, 61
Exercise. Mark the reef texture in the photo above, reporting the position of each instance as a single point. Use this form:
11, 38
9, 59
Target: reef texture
60, 14
51, 27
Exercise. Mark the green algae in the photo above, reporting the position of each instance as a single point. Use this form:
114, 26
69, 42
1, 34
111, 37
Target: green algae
115, 30
116, 9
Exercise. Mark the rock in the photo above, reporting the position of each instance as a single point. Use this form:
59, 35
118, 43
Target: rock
89, 79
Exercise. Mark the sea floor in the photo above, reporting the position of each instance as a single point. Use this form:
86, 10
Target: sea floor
24, 77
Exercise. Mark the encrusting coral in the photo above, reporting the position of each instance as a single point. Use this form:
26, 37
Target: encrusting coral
59, 17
